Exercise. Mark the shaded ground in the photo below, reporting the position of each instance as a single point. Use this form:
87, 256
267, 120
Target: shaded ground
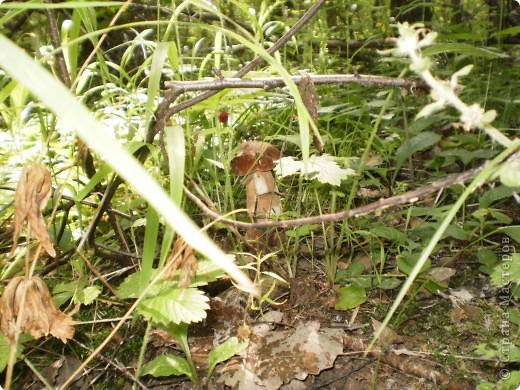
434, 344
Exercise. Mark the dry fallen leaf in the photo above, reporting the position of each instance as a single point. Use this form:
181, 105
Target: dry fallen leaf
310, 100
388, 336
281, 356
30, 298
32, 194
181, 258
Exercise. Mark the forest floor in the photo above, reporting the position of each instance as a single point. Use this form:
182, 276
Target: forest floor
304, 343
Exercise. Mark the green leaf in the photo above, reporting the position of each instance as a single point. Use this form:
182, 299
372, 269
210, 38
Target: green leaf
487, 257
462, 48
389, 233
132, 286
507, 271
514, 316
64, 291
350, 297
175, 305
491, 196
421, 141
167, 365
224, 352
456, 232
406, 262
4, 352
390, 283
88, 295
159, 57
511, 383
510, 174
501, 218
513, 232
151, 233
5, 349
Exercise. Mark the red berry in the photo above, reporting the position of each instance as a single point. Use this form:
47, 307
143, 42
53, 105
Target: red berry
223, 117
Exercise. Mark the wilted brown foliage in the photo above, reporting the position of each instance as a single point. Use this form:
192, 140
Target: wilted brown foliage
310, 99
181, 258
30, 298
32, 194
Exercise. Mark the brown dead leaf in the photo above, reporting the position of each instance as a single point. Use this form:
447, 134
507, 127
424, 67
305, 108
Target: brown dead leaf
388, 336
281, 356
32, 194
310, 100
85, 158
441, 274
31, 299
182, 258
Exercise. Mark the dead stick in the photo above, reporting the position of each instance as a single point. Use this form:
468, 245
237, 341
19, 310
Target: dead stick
269, 83
408, 197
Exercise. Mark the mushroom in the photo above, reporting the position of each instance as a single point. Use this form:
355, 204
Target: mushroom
255, 160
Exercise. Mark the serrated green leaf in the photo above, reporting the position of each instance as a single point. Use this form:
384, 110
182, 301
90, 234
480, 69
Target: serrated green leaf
350, 297
5, 349
224, 352
132, 286
167, 365
175, 305
421, 141
88, 295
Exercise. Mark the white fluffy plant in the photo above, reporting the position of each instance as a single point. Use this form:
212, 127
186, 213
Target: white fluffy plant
412, 38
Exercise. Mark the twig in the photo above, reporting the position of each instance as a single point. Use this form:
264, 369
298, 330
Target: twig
403, 363
55, 38
269, 83
408, 197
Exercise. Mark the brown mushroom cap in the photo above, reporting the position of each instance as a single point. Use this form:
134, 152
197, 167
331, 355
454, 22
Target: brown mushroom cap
255, 156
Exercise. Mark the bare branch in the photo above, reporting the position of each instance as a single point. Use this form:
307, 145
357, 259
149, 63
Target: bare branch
273, 82
408, 197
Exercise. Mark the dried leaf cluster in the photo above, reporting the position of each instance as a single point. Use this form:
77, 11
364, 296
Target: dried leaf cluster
32, 194
181, 258
30, 299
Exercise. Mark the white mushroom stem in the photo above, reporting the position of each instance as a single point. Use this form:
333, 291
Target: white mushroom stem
263, 199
